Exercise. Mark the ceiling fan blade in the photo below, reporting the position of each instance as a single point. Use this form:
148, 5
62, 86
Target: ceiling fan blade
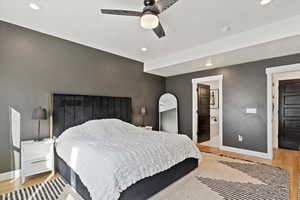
121, 12
163, 5
159, 31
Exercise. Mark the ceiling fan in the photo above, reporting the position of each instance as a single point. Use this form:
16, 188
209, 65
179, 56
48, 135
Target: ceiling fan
149, 16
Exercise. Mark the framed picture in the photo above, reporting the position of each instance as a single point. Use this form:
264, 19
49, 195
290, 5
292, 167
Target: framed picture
214, 99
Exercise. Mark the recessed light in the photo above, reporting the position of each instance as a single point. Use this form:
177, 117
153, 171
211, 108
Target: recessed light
209, 63
265, 2
226, 28
144, 49
34, 6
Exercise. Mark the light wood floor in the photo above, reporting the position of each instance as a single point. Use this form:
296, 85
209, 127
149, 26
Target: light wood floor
285, 159
15, 184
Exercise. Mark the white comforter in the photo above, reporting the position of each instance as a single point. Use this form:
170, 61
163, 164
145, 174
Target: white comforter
110, 155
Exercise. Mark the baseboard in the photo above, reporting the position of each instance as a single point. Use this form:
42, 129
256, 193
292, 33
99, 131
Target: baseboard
10, 175
247, 152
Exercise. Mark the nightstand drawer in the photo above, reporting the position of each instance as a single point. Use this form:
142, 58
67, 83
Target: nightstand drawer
36, 151
37, 166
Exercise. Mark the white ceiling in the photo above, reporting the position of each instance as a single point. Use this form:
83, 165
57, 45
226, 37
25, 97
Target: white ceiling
192, 26
282, 47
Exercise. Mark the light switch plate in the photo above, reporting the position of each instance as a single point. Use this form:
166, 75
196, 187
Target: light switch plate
251, 110
240, 138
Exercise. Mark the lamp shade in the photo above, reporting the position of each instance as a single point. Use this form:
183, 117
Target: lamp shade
39, 113
143, 111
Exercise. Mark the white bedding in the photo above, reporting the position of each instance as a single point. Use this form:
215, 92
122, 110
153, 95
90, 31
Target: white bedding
110, 155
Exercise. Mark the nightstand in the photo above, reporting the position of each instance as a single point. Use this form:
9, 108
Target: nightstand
36, 157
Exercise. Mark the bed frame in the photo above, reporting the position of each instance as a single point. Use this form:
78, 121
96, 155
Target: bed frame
72, 110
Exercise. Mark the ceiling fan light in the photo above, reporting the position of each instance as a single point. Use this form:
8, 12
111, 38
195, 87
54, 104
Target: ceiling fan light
149, 21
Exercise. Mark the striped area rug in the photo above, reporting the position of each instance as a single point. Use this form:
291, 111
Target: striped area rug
49, 190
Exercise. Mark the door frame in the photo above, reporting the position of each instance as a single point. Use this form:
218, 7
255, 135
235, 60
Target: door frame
195, 83
270, 72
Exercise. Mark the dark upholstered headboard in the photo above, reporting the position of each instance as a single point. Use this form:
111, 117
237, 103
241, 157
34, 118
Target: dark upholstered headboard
71, 110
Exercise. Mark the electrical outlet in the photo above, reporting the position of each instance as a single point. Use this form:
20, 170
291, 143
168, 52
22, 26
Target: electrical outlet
240, 138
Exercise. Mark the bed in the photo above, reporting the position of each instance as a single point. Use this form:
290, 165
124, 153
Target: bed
79, 112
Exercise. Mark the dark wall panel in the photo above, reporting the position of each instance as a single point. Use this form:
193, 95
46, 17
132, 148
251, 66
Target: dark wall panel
244, 86
34, 65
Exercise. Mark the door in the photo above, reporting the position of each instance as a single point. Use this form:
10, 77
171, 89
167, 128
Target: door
289, 114
203, 113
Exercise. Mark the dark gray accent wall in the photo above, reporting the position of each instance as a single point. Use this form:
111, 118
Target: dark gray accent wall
34, 65
244, 86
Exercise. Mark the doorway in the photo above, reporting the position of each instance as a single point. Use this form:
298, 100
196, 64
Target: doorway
289, 114
275, 75
207, 111
203, 112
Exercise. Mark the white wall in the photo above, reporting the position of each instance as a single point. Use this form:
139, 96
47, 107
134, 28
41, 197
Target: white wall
276, 78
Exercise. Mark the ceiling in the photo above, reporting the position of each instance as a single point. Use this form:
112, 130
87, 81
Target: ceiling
193, 28
278, 48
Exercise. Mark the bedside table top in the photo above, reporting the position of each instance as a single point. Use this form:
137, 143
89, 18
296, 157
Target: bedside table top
44, 141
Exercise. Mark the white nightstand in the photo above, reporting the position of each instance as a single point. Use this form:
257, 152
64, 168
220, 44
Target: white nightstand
36, 157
